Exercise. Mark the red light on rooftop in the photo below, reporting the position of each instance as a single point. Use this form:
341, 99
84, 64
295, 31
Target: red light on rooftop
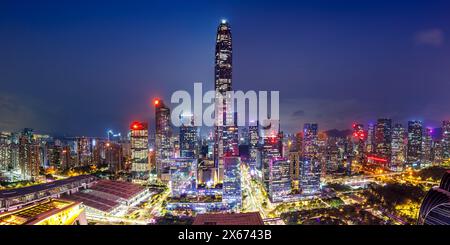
156, 102
136, 126
377, 159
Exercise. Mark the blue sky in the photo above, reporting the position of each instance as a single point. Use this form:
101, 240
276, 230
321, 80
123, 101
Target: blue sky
81, 67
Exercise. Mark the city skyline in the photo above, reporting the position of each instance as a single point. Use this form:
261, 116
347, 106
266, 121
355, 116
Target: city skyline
379, 170
55, 85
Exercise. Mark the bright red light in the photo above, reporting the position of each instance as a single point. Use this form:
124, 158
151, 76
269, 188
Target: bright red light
136, 126
377, 159
156, 102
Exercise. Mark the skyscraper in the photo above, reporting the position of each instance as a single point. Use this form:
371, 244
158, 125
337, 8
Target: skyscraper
359, 138
370, 138
225, 128
279, 180
383, 138
270, 147
188, 136
414, 151
253, 135
310, 167
427, 143
446, 140
29, 156
398, 146
163, 134
232, 194
140, 168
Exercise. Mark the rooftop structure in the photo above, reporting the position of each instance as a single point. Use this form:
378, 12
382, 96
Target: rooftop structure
48, 212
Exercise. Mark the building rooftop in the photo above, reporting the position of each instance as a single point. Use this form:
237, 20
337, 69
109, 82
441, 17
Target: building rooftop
229, 219
41, 187
34, 213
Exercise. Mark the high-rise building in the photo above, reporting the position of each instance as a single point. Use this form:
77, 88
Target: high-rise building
446, 140
383, 138
29, 156
427, 143
163, 136
188, 137
279, 179
294, 167
183, 176
232, 193
225, 132
84, 151
5, 151
253, 134
359, 140
140, 169
370, 141
310, 167
114, 157
398, 146
270, 147
414, 151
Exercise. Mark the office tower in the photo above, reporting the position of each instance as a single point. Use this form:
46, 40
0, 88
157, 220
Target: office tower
398, 147
332, 155
29, 156
232, 193
359, 139
223, 84
114, 157
163, 136
383, 138
54, 155
5, 150
188, 136
279, 179
270, 147
414, 151
183, 176
427, 143
370, 141
435, 208
437, 152
253, 133
446, 140
294, 168
84, 151
310, 164
140, 169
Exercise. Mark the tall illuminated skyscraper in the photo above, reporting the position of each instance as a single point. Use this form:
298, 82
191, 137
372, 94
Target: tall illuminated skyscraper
232, 193
310, 168
163, 135
225, 132
279, 179
427, 143
446, 140
383, 138
253, 135
188, 136
414, 151
140, 169
398, 146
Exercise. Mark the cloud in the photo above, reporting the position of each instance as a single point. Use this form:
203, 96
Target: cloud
298, 113
431, 37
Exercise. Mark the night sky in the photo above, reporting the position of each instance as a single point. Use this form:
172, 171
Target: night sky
82, 67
